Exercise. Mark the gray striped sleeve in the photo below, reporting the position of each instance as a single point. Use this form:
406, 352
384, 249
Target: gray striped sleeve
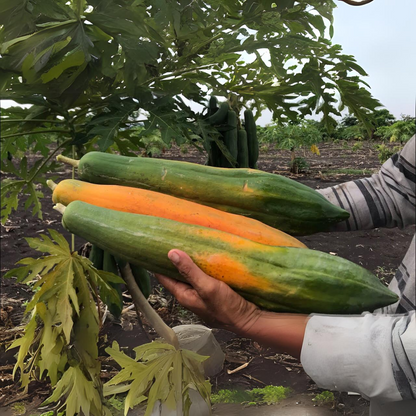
386, 199
404, 284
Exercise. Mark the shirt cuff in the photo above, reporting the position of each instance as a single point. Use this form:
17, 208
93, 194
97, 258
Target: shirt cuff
352, 353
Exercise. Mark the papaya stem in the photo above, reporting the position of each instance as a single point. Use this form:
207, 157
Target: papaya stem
51, 184
142, 305
60, 208
68, 160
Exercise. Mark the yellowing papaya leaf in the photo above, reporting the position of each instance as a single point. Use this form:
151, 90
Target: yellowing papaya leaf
159, 372
102, 280
314, 149
24, 344
50, 343
81, 395
67, 334
75, 59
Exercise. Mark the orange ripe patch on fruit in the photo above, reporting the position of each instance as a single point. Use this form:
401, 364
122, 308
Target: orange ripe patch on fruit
231, 271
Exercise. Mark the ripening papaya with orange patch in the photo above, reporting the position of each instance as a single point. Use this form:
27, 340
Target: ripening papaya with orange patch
222, 266
141, 201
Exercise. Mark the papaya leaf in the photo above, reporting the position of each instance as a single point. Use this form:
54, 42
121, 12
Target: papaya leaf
158, 372
103, 280
11, 189
81, 394
64, 347
24, 343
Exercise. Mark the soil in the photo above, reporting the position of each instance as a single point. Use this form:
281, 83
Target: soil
379, 250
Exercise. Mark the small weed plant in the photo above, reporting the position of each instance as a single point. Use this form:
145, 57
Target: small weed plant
325, 397
267, 395
357, 146
299, 164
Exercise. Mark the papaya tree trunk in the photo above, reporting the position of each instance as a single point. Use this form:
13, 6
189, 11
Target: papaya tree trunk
293, 166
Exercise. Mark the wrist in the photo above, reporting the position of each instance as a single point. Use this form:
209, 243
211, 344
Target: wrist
283, 332
244, 327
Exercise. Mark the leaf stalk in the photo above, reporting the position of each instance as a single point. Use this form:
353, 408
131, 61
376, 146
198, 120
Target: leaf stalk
68, 160
7, 136
51, 184
142, 305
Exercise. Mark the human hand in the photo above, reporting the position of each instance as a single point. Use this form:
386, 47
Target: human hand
212, 300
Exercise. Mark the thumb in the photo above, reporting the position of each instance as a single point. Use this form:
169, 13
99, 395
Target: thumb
199, 280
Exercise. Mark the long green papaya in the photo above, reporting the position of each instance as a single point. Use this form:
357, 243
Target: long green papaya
96, 257
230, 139
272, 199
219, 116
214, 153
110, 265
242, 155
282, 279
212, 106
141, 276
252, 140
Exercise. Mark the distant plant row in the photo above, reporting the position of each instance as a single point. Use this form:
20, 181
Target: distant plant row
307, 134
385, 127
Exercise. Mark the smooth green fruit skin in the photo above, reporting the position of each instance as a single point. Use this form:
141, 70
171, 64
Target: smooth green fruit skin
300, 280
272, 199
96, 257
212, 147
212, 105
142, 278
242, 156
110, 265
252, 140
230, 139
220, 116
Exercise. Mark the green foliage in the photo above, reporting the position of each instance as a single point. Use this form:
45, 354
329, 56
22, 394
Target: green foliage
357, 147
158, 372
382, 117
299, 164
401, 131
271, 394
121, 75
267, 395
355, 132
324, 398
231, 396
117, 404
384, 152
351, 128
19, 408
292, 137
60, 340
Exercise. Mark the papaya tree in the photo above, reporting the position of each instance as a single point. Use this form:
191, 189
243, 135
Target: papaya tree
108, 75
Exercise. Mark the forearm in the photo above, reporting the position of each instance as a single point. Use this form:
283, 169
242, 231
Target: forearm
282, 332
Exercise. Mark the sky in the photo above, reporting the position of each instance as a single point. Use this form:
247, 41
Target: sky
382, 37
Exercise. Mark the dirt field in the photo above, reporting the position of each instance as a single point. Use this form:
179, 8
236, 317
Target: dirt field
379, 250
